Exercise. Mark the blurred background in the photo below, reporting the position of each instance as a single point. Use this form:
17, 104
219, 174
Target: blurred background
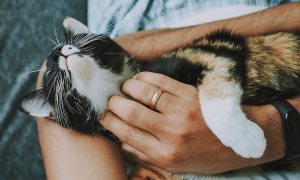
25, 29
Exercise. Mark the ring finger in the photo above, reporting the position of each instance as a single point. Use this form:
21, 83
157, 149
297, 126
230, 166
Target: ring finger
137, 115
145, 93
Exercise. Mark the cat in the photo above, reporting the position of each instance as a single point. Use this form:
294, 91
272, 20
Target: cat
229, 71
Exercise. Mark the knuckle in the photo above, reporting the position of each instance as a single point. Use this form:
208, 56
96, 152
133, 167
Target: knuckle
142, 75
110, 103
191, 113
182, 134
107, 119
169, 157
132, 112
161, 79
112, 100
126, 85
144, 158
143, 91
175, 171
127, 134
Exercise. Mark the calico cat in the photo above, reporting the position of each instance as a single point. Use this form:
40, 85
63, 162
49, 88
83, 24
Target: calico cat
228, 70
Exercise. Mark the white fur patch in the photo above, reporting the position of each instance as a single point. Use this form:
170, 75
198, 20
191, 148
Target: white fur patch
224, 116
62, 63
92, 81
75, 26
35, 107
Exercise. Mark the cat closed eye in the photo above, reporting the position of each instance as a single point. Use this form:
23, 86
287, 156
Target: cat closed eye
56, 53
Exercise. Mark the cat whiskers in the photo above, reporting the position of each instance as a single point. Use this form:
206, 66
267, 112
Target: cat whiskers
82, 40
55, 33
52, 85
53, 42
114, 53
51, 79
70, 107
38, 70
79, 107
87, 49
62, 117
69, 93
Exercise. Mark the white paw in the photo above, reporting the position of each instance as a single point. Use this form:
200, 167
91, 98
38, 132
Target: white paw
251, 142
232, 127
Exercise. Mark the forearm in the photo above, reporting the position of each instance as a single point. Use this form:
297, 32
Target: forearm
154, 43
70, 155
283, 18
268, 118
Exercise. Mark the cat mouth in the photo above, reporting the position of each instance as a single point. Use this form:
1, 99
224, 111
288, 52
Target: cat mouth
66, 62
66, 58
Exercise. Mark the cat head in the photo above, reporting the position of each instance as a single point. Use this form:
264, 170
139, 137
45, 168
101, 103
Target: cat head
82, 73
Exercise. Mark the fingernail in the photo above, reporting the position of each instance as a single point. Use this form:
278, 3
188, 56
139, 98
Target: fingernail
133, 77
127, 148
102, 117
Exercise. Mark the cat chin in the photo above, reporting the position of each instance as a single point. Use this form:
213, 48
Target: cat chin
90, 80
81, 68
94, 83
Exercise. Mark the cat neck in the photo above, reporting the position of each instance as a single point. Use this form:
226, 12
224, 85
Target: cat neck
133, 65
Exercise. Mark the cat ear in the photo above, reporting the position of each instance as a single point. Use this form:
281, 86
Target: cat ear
73, 27
35, 104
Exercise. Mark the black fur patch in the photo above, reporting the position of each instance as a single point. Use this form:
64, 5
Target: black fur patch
107, 53
225, 35
264, 95
238, 53
177, 68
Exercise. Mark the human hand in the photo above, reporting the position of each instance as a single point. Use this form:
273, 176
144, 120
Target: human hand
152, 44
172, 138
175, 137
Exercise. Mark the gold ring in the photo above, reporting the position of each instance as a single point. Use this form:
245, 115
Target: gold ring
155, 99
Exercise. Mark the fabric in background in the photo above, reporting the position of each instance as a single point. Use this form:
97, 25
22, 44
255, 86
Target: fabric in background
25, 26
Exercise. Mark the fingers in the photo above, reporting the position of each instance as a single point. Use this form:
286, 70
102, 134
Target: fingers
144, 92
136, 114
139, 139
164, 82
137, 153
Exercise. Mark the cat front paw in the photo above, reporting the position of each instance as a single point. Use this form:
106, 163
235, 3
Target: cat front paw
252, 144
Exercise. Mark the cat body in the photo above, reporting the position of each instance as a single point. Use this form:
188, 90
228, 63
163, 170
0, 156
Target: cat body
228, 70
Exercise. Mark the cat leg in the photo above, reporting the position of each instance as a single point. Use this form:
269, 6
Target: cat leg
220, 99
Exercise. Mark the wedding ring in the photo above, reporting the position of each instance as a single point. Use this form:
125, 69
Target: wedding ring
155, 99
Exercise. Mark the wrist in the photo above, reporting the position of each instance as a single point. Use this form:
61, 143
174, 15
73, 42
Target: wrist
275, 120
268, 118
274, 132
295, 103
